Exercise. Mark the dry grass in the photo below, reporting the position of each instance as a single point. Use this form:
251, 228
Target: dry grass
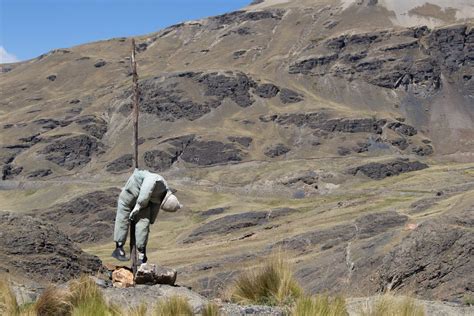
321, 305
388, 305
211, 309
272, 284
175, 305
140, 310
53, 301
8, 303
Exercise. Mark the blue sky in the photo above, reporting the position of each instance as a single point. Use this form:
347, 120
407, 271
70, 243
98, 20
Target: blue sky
30, 28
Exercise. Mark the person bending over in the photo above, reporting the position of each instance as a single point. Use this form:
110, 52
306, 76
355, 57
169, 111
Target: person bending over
140, 200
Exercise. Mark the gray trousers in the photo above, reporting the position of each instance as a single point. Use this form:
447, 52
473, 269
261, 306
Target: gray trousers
122, 223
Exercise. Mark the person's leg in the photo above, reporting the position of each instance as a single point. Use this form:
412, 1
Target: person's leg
121, 230
142, 230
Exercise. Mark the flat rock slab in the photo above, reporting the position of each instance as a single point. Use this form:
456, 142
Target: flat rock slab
152, 274
152, 295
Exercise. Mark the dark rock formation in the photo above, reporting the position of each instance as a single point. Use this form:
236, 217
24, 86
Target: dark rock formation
120, 164
37, 250
72, 152
424, 150
289, 96
40, 173
378, 171
267, 90
402, 129
9, 171
235, 87
205, 153
51, 77
213, 211
343, 151
276, 150
159, 160
238, 54
169, 102
242, 16
437, 257
309, 179
321, 121
231, 223
413, 59
95, 126
87, 218
244, 141
48, 123
400, 143
100, 63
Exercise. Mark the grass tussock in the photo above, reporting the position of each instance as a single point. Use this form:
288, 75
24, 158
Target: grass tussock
321, 305
53, 301
271, 284
86, 298
175, 305
8, 303
211, 309
140, 310
388, 305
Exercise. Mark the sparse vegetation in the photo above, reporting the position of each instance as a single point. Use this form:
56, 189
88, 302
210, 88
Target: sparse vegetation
8, 303
271, 284
211, 309
175, 305
388, 305
140, 310
321, 305
53, 301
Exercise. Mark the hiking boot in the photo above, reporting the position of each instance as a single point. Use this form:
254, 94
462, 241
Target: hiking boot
141, 256
119, 253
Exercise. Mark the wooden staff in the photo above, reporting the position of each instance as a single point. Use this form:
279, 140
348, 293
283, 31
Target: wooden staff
136, 96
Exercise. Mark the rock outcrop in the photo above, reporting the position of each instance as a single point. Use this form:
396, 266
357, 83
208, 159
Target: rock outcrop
379, 171
86, 218
37, 250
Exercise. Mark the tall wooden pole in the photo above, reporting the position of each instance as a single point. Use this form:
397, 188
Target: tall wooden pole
136, 98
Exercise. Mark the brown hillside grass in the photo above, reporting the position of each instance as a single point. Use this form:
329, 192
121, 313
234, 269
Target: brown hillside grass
271, 284
175, 305
321, 305
389, 305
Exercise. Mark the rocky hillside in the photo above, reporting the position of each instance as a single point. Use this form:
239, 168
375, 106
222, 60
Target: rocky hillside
338, 131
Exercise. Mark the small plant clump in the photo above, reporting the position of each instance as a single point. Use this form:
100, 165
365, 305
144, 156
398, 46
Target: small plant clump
211, 309
8, 303
388, 305
272, 284
174, 305
320, 305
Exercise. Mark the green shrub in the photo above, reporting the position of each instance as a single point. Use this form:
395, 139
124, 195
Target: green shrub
272, 284
321, 305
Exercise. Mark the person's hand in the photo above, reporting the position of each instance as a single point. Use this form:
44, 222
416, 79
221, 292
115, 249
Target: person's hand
134, 212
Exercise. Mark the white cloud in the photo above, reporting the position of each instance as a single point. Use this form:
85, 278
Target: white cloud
6, 57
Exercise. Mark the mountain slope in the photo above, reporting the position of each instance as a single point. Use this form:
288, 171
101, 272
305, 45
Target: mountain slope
331, 128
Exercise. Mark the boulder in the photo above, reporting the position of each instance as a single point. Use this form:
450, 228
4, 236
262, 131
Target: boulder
122, 278
152, 274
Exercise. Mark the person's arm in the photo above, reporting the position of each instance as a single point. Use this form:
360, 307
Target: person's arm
149, 184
